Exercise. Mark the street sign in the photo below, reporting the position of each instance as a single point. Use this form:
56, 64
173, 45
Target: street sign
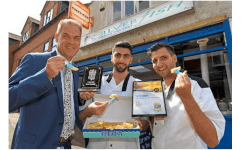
80, 13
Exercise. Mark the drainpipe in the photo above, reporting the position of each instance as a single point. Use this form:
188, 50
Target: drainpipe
204, 60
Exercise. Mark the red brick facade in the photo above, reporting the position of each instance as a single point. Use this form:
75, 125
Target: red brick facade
12, 47
35, 43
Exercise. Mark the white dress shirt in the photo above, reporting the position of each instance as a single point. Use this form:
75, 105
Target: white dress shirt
62, 76
176, 131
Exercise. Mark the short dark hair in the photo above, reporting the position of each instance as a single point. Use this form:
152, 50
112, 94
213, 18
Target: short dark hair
158, 46
123, 44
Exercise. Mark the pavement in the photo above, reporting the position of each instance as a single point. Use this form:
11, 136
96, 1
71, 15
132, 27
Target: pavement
77, 140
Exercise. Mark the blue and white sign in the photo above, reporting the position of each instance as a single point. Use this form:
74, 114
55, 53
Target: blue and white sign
145, 17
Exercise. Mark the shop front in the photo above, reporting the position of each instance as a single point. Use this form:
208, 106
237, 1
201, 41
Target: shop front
204, 49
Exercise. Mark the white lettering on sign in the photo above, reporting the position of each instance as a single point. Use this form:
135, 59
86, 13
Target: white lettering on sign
145, 17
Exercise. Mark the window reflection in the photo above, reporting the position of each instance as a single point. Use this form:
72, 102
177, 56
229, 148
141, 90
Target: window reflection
116, 11
129, 8
143, 5
218, 71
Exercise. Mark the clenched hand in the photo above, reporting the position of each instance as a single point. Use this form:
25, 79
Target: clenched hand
97, 108
183, 86
54, 66
86, 95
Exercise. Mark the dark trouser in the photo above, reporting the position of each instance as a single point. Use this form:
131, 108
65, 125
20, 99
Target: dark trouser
66, 145
145, 139
86, 142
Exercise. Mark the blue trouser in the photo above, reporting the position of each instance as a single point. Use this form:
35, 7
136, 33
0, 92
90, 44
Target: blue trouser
65, 145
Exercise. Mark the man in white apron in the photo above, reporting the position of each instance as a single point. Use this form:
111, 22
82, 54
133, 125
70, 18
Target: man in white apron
194, 120
117, 82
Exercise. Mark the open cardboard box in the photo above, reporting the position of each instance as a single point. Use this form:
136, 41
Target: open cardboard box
123, 115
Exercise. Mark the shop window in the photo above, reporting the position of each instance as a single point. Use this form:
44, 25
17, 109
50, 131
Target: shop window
144, 72
216, 40
116, 11
123, 9
36, 28
143, 5
64, 5
213, 67
47, 17
217, 73
106, 64
46, 45
140, 57
129, 8
25, 37
54, 44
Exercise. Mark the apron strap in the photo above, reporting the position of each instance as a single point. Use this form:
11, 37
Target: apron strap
109, 78
125, 83
170, 89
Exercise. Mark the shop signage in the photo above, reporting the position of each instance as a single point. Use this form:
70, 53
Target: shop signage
145, 17
80, 13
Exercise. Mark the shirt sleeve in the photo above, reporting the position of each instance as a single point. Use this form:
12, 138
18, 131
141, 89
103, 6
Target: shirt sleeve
205, 99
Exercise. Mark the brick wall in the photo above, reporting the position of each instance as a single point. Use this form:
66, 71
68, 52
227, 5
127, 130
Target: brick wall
12, 47
36, 43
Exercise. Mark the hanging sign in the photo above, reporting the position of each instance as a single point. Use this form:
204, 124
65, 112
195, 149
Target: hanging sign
80, 13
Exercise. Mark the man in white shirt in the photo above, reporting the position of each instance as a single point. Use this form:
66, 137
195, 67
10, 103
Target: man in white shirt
193, 119
118, 82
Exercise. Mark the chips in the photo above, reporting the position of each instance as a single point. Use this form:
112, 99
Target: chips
111, 125
175, 70
114, 95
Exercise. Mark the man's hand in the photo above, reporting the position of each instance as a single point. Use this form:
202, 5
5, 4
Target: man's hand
143, 124
183, 86
96, 108
54, 66
86, 95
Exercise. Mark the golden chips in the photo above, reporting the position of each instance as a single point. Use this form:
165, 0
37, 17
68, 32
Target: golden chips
111, 125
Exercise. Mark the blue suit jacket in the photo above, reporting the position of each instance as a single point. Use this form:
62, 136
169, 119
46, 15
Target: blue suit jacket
41, 103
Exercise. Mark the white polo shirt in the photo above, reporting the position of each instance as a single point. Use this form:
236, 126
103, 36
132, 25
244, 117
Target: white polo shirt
176, 131
108, 88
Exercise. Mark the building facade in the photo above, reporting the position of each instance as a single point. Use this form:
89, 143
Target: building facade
14, 42
183, 29
38, 36
200, 32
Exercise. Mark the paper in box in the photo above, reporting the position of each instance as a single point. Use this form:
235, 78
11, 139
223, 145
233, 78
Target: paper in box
117, 111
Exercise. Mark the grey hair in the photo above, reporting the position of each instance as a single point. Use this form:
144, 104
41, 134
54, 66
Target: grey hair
68, 21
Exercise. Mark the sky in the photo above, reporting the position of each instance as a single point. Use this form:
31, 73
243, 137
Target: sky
21, 11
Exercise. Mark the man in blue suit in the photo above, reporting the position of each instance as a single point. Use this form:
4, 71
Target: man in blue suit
38, 87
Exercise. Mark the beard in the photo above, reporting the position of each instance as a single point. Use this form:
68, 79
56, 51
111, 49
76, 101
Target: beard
120, 69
